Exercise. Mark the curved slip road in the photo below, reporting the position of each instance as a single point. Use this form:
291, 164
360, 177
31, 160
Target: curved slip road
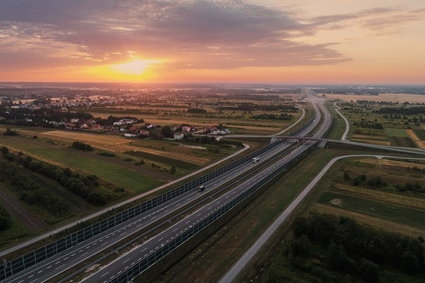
347, 125
236, 269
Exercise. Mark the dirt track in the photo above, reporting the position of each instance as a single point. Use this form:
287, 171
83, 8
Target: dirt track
414, 137
16, 209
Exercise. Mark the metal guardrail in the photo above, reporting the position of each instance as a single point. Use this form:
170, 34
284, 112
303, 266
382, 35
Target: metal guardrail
18, 264
196, 228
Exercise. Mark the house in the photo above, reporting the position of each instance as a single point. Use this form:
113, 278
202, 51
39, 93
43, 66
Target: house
75, 120
133, 129
85, 126
144, 133
130, 135
186, 129
96, 127
178, 136
70, 125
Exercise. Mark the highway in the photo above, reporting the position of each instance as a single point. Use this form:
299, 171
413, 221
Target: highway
67, 259
148, 248
129, 259
73, 256
244, 260
103, 211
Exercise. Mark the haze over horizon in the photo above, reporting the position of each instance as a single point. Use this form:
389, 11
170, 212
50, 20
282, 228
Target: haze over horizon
210, 41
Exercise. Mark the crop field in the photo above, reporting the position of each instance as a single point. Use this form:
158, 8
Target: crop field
379, 209
371, 126
62, 155
385, 97
385, 190
420, 141
240, 122
35, 201
121, 144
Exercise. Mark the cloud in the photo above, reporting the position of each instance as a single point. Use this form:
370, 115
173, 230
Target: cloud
192, 34
377, 19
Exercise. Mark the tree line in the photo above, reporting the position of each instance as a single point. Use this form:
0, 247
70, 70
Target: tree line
31, 192
355, 249
402, 110
369, 125
5, 221
85, 186
264, 116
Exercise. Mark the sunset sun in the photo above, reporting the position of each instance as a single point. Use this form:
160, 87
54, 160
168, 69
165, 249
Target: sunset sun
134, 67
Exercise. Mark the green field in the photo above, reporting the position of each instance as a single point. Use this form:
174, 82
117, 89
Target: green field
402, 141
338, 126
396, 132
400, 214
163, 159
90, 163
420, 133
394, 129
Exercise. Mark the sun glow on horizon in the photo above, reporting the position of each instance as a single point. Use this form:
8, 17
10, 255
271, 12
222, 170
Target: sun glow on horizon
134, 70
133, 67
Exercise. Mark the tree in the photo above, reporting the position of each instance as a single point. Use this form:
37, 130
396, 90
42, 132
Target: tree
82, 146
346, 176
167, 132
9, 132
338, 259
4, 150
301, 247
172, 170
368, 270
409, 262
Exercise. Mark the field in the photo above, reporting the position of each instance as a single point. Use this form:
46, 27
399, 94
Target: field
382, 210
37, 203
419, 141
338, 126
385, 97
88, 162
387, 199
239, 121
370, 126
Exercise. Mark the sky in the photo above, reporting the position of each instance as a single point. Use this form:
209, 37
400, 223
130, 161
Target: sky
228, 41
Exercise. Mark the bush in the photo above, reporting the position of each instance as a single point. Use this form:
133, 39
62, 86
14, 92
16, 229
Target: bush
368, 270
82, 146
107, 154
5, 221
9, 132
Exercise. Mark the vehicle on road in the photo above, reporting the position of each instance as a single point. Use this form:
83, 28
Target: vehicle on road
201, 188
256, 159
